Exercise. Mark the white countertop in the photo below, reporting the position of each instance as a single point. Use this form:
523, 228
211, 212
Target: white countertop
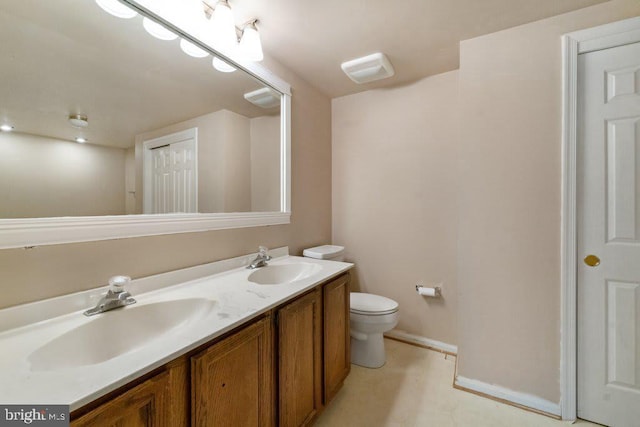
236, 301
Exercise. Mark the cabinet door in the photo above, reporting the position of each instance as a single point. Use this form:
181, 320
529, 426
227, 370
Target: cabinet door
143, 405
337, 339
232, 381
300, 360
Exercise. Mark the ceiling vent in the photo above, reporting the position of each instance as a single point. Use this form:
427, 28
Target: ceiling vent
368, 68
265, 97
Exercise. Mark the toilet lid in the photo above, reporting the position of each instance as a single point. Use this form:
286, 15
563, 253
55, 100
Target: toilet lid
362, 303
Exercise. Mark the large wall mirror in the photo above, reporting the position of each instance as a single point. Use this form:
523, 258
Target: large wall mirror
110, 132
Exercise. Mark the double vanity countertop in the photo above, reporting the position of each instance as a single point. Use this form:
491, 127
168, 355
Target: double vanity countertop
53, 354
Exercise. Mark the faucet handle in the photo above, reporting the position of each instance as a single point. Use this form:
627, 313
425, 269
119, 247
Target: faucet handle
117, 283
263, 253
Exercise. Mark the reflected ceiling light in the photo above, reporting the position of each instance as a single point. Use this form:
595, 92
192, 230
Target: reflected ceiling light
115, 8
78, 121
222, 66
192, 50
81, 140
157, 30
223, 27
250, 44
6, 128
190, 16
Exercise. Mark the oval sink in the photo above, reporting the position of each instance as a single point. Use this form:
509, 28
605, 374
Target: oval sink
117, 332
283, 273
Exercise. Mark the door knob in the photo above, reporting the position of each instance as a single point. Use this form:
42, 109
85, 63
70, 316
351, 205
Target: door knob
592, 260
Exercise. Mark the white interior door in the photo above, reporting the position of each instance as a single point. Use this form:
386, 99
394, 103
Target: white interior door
184, 179
609, 230
161, 175
170, 173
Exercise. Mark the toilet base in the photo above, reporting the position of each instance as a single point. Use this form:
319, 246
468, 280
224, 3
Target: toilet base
368, 353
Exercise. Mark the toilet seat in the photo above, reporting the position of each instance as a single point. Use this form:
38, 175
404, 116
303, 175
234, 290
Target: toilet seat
372, 305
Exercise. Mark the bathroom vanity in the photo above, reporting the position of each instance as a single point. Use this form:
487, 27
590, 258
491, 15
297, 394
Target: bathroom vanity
255, 347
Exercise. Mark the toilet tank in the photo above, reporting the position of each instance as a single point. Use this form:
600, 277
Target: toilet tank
330, 252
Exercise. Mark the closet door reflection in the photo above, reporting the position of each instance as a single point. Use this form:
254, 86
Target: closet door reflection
172, 178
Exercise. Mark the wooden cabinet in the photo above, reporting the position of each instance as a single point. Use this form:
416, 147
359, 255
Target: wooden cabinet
232, 381
300, 360
144, 405
337, 338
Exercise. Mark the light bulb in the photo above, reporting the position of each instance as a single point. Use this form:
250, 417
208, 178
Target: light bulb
6, 128
81, 140
222, 66
115, 8
224, 27
250, 44
192, 50
188, 15
157, 30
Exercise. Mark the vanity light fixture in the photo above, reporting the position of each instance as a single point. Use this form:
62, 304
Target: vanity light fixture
223, 27
190, 14
219, 31
81, 140
117, 9
78, 121
6, 128
250, 44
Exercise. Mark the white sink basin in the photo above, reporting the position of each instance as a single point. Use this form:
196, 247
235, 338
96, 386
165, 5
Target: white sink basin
283, 273
116, 332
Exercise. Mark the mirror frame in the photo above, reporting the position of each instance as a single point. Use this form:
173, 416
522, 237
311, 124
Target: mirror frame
30, 232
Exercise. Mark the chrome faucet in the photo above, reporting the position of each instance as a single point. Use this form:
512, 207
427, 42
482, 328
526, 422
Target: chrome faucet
116, 296
261, 259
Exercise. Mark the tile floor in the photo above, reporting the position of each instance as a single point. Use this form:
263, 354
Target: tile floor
414, 388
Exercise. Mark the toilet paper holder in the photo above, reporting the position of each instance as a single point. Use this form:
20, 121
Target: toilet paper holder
430, 292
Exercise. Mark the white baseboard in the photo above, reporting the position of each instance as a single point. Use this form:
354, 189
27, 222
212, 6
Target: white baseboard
522, 399
422, 341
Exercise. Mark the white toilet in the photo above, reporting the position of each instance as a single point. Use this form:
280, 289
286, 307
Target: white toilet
330, 252
371, 316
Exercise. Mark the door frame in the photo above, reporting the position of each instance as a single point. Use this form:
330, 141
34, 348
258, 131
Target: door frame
573, 44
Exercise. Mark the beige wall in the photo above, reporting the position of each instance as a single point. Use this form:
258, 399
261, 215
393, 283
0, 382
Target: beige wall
394, 196
265, 163
237, 163
509, 201
47, 271
43, 177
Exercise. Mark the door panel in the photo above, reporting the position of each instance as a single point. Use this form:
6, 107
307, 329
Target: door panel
608, 223
184, 170
337, 338
232, 382
146, 405
170, 180
300, 361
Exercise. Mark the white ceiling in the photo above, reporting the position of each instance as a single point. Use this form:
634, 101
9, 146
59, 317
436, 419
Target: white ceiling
420, 37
